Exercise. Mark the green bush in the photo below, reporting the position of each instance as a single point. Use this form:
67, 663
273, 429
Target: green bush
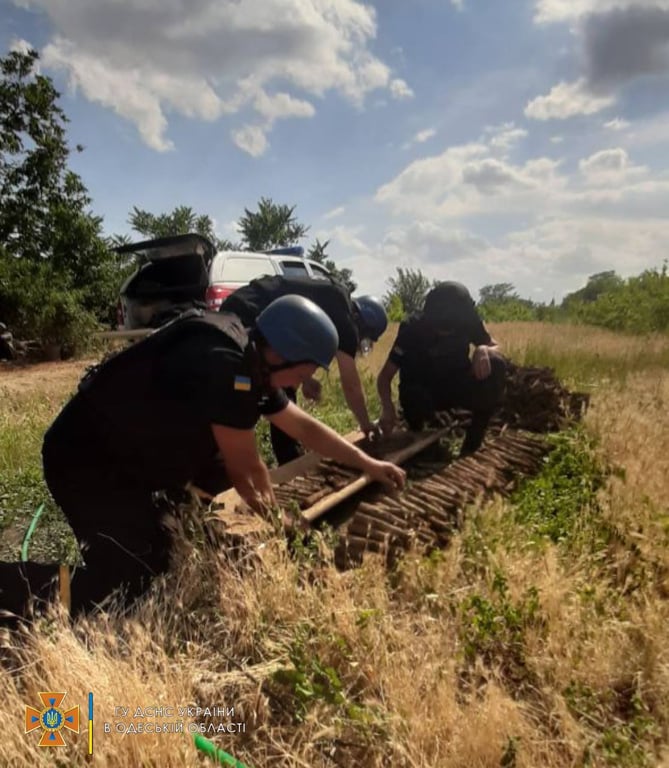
40, 304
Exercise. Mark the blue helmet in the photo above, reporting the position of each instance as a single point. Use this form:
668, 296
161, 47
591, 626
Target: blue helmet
371, 318
298, 330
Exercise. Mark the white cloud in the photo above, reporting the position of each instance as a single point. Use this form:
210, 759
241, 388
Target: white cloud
573, 247
490, 176
557, 139
504, 136
334, 212
420, 137
549, 11
609, 166
451, 218
281, 105
427, 182
432, 243
19, 45
423, 136
251, 139
617, 124
620, 42
348, 240
462, 180
566, 100
207, 58
400, 90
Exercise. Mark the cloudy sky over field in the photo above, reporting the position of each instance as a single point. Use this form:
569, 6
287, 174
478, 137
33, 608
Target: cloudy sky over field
524, 141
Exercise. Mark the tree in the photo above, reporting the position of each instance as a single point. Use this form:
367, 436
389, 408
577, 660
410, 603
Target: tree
271, 226
497, 292
598, 284
57, 274
180, 221
342, 275
411, 286
499, 303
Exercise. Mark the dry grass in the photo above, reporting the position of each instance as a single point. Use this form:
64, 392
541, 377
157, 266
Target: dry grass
498, 652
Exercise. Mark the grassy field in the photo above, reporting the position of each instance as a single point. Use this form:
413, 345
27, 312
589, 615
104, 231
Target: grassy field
538, 638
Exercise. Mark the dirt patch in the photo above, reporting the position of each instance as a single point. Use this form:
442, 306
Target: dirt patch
47, 378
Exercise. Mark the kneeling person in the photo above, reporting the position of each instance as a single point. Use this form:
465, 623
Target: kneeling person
432, 355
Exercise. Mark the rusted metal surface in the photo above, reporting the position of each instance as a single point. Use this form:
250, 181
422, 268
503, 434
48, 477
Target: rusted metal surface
537, 401
425, 515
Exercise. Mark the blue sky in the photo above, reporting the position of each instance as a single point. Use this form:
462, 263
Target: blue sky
482, 141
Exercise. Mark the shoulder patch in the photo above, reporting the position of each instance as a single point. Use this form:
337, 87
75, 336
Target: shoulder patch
242, 383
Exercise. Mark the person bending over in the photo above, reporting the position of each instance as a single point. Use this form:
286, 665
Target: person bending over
359, 322
437, 369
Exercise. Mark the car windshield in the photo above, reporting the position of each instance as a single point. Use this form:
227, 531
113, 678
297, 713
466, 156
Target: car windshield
240, 269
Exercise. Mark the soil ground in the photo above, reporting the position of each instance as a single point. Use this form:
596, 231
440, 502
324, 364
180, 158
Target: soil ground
47, 378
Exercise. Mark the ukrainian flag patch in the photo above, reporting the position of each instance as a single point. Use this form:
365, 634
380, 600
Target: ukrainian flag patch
243, 383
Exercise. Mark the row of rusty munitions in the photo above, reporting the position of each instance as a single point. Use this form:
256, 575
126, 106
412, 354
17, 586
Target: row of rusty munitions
536, 400
431, 507
306, 490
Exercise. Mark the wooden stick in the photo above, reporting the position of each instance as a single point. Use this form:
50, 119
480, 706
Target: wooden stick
324, 505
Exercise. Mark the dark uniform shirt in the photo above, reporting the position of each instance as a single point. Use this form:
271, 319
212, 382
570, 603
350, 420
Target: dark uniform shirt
426, 353
249, 301
149, 410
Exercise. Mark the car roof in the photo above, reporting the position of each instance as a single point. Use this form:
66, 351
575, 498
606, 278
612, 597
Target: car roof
263, 255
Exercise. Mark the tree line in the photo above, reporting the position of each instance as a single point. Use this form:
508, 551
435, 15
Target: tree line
638, 304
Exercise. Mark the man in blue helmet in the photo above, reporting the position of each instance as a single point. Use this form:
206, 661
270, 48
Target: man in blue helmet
146, 422
438, 371
359, 322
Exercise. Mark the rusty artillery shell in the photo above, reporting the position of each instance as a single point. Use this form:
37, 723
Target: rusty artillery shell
371, 515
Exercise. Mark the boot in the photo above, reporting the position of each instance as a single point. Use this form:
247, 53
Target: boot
474, 434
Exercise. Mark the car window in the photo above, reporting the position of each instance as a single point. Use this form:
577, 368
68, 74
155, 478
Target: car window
241, 269
320, 273
294, 269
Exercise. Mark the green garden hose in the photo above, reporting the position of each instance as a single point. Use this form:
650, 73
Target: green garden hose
221, 757
30, 531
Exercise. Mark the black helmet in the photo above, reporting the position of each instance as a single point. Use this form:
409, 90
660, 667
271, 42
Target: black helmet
448, 302
298, 330
372, 320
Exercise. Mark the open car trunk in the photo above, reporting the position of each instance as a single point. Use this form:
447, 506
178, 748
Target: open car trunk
173, 275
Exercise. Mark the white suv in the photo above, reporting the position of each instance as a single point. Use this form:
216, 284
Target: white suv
232, 269
184, 271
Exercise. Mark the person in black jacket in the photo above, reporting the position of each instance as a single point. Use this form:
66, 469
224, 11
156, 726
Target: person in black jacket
437, 371
152, 417
359, 322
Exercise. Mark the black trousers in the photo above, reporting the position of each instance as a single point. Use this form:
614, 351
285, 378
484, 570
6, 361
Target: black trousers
116, 520
284, 446
421, 399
